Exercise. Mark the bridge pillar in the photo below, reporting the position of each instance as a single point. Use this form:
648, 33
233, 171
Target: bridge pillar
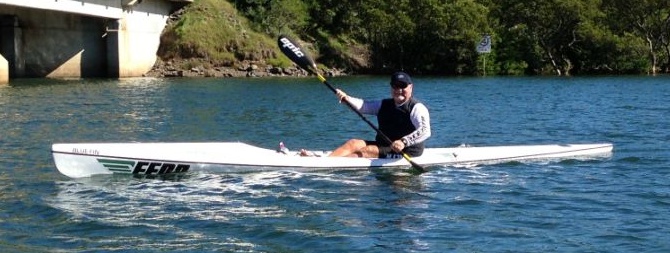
10, 46
112, 39
4, 70
132, 42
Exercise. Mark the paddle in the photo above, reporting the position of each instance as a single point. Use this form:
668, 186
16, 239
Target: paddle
293, 51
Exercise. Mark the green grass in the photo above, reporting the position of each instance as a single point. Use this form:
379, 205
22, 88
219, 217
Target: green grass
212, 31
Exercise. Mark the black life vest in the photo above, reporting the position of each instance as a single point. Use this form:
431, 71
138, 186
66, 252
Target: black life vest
395, 122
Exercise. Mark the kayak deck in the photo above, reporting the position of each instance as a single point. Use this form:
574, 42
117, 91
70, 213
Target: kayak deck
87, 159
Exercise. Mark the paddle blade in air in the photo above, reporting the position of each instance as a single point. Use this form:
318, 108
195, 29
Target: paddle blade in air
293, 51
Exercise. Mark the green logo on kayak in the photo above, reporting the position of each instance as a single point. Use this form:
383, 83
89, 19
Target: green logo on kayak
118, 166
142, 167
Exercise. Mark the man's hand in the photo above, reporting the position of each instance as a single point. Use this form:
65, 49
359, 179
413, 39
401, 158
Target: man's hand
341, 95
398, 146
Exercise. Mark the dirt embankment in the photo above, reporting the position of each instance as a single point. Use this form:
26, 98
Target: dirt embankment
177, 58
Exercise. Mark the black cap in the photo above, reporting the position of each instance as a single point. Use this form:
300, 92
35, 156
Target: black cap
401, 77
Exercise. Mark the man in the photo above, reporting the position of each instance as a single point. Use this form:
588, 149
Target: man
404, 120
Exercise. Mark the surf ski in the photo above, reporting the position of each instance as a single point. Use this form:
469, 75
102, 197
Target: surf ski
77, 160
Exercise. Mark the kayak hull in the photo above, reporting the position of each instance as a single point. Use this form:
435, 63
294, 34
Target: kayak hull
78, 160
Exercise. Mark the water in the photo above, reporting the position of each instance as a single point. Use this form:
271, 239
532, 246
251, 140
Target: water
615, 205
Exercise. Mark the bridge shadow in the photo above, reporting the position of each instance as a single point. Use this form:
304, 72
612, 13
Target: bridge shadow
40, 43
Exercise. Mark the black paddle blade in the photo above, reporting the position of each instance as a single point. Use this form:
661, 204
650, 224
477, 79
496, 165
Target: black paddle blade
293, 51
415, 165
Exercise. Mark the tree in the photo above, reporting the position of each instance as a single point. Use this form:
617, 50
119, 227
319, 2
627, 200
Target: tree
550, 29
430, 36
335, 16
387, 28
649, 19
449, 32
275, 16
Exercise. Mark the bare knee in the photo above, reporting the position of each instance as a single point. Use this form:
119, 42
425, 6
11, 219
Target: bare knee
349, 148
355, 144
359, 148
369, 151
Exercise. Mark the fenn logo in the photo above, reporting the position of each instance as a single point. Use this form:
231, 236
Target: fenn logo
143, 167
286, 43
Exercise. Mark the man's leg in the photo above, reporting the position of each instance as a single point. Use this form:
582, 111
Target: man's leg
356, 148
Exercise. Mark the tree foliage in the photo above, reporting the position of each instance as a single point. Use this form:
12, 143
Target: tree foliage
560, 37
648, 20
275, 16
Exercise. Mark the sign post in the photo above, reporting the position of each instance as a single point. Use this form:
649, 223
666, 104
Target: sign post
483, 47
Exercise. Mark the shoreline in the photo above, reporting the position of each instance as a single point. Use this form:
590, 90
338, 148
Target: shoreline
246, 69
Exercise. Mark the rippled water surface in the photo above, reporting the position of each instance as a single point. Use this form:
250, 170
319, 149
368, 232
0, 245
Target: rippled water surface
613, 205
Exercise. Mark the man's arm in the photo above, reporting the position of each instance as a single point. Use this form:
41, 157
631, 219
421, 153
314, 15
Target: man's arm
421, 120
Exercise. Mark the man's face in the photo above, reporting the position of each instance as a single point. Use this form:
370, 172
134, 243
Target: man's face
401, 92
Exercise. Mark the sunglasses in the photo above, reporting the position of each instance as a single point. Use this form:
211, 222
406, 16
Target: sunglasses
399, 85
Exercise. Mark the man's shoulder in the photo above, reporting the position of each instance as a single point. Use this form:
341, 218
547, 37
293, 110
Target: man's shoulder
417, 104
415, 101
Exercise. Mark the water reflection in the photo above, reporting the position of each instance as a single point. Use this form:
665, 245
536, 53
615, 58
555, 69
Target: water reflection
276, 205
407, 180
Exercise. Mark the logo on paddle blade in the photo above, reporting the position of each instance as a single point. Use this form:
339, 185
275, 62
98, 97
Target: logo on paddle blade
286, 43
142, 167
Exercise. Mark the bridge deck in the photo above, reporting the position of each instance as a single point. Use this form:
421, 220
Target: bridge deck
98, 8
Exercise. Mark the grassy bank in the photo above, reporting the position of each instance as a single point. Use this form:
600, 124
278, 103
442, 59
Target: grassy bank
211, 33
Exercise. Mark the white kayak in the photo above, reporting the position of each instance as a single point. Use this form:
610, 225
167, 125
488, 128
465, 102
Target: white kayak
78, 160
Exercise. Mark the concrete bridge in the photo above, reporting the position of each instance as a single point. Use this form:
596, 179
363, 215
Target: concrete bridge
81, 38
